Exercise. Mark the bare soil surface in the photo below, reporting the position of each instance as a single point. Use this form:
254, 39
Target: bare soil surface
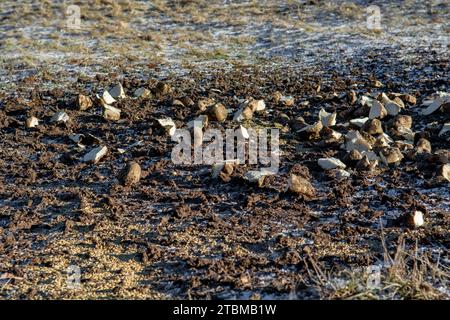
179, 233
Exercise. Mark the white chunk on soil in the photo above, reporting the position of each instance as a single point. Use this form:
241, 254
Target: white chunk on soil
331, 163
60, 116
95, 154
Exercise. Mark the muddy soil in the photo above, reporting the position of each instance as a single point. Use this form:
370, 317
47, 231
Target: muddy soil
179, 233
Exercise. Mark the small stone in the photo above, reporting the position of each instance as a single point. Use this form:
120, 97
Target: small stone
277, 96
383, 141
60, 116
399, 101
242, 133
404, 133
377, 84
392, 108
423, 146
218, 112
365, 164
255, 177
106, 98
352, 98
117, 91
354, 140
377, 110
409, 99
341, 173
434, 106
327, 119
142, 93
442, 156
84, 102
257, 105
95, 154
162, 89
204, 104
444, 171
222, 170
300, 185
391, 156
178, 103
353, 157
359, 122
288, 101
32, 122
373, 127
311, 132
445, 129
331, 163
244, 113
111, 113
168, 125
402, 121
415, 220
131, 174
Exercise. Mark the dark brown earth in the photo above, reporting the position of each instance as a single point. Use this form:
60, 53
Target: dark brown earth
178, 233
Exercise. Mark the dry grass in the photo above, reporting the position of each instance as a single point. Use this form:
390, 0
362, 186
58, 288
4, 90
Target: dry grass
405, 274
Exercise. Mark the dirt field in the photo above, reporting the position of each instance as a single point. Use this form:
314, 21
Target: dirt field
181, 234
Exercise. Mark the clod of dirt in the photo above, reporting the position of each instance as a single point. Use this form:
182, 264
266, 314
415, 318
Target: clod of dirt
391, 156
32, 122
373, 127
117, 91
95, 154
60, 116
415, 219
218, 112
300, 185
84, 102
327, 119
131, 174
111, 113
331, 163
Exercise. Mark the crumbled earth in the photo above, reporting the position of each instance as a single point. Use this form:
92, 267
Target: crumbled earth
179, 233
